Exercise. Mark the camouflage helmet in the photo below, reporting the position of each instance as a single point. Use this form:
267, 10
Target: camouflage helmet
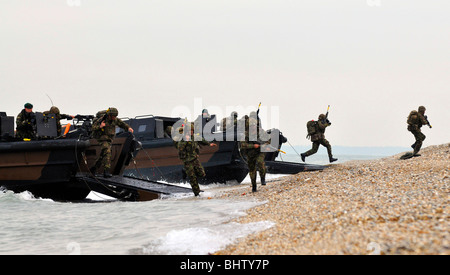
422, 109
54, 110
112, 111
322, 117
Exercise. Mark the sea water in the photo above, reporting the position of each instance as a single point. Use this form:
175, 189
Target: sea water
171, 225
188, 225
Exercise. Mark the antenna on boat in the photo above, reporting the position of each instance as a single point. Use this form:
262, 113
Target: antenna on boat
50, 99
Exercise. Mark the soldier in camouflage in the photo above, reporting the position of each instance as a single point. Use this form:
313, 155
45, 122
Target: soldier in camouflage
319, 139
26, 123
251, 148
229, 122
104, 130
55, 110
188, 152
416, 120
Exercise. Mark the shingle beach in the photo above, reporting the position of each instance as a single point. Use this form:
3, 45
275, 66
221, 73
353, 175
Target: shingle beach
383, 206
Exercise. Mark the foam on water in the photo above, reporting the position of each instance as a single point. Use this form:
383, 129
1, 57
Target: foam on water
202, 240
31, 225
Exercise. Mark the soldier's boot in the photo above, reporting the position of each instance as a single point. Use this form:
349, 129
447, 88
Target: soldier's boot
333, 159
417, 149
106, 173
303, 155
253, 180
263, 180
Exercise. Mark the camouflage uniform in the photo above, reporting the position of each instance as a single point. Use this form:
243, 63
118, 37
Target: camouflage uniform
416, 120
319, 139
229, 122
105, 138
25, 123
54, 110
188, 153
255, 158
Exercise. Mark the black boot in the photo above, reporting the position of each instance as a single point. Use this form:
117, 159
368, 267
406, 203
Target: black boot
303, 157
254, 188
332, 159
263, 181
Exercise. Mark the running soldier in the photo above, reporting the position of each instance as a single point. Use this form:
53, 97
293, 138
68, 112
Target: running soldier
188, 152
416, 120
251, 148
318, 138
104, 130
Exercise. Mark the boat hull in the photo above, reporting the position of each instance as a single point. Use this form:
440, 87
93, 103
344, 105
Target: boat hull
45, 168
48, 168
158, 160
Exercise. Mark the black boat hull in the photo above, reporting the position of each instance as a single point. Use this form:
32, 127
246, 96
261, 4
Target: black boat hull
48, 168
158, 160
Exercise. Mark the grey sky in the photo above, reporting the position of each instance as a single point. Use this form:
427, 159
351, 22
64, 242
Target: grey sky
372, 63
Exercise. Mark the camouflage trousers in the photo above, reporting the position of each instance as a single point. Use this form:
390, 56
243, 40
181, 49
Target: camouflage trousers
419, 136
256, 163
194, 170
315, 147
104, 160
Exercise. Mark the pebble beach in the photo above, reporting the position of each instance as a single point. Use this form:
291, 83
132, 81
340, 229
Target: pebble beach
385, 206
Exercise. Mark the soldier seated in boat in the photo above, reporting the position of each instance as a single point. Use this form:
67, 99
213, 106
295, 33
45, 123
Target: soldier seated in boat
55, 110
26, 123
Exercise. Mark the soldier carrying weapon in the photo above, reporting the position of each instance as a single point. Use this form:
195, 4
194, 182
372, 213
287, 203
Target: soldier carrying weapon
316, 130
416, 120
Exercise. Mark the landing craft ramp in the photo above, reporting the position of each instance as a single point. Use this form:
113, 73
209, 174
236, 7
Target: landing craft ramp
129, 188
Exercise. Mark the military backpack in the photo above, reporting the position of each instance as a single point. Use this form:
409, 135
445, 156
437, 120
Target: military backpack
413, 117
312, 128
98, 117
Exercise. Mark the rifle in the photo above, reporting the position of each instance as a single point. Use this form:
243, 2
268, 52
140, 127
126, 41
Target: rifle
326, 115
428, 122
257, 112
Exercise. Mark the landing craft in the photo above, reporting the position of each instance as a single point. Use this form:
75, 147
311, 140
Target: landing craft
58, 168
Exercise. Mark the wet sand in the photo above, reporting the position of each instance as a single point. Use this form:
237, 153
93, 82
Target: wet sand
385, 206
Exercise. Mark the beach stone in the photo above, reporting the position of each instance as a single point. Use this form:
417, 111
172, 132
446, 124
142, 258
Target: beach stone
390, 205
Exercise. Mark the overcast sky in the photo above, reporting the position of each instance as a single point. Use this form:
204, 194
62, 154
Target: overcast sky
373, 61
